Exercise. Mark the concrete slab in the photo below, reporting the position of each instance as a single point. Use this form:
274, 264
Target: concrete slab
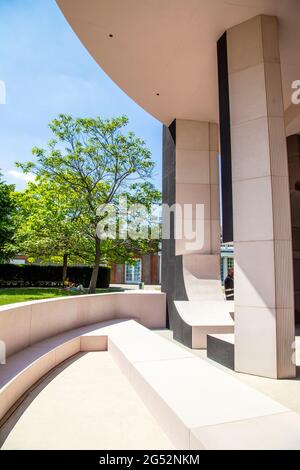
205, 313
273, 432
139, 344
188, 393
202, 395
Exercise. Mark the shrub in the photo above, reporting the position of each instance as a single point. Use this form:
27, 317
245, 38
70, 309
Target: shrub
32, 275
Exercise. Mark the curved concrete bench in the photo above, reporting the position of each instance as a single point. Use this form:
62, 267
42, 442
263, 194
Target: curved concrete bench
38, 335
199, 307
27, 366
26, 323
201, 318
198, 405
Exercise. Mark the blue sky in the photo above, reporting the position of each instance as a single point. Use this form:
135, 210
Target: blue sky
48, 71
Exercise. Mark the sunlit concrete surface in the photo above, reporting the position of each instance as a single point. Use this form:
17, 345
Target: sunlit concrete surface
87, 403
136, 286
140, 56
285, 392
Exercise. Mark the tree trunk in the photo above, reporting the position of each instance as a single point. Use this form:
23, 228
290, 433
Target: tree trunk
94, 277
65, 267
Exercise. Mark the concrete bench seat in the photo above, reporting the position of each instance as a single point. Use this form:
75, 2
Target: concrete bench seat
194, 401
201, 318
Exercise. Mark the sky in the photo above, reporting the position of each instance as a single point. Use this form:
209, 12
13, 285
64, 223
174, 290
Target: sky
47, 71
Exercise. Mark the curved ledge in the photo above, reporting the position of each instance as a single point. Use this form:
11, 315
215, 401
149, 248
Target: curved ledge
24, 324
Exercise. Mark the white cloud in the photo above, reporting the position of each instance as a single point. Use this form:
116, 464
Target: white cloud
21, 176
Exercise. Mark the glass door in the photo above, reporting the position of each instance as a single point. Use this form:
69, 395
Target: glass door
133, 272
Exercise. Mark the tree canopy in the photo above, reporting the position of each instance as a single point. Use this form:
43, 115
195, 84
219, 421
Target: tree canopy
48, 226
88, 164
7, 221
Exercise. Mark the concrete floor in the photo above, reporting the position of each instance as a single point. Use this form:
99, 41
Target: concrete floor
286, 392
86, 403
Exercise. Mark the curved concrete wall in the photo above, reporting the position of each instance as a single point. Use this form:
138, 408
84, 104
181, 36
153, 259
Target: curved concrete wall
26, 323
201, 274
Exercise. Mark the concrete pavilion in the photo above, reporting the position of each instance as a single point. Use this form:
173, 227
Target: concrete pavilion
216, 71
218, 75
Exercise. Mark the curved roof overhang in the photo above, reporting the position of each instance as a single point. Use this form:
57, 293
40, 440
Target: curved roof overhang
162, 53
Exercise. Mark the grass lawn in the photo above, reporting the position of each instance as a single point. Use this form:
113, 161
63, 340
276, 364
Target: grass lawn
10, 296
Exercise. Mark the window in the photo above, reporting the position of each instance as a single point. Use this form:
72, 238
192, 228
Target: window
133, 272
230, 263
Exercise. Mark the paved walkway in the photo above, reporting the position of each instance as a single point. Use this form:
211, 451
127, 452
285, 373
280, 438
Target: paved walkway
86, 404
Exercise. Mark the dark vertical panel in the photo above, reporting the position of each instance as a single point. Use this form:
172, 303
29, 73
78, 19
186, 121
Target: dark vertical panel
172, 129
225, 140
220, 351
293, 148
168, 197
172, 281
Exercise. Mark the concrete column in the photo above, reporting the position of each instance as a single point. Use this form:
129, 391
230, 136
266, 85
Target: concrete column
191, 177
264, 303
197, 182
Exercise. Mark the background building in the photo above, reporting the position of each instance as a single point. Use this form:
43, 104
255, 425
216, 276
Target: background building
227, 260
145, 269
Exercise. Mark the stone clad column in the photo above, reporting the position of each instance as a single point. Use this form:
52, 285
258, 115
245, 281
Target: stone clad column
197, 182
264, 304
191, 176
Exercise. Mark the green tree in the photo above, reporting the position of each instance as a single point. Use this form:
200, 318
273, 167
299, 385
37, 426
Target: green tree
94, 161
7, 221
148, 225
48, 224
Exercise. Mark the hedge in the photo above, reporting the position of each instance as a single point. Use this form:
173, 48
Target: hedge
32, 275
